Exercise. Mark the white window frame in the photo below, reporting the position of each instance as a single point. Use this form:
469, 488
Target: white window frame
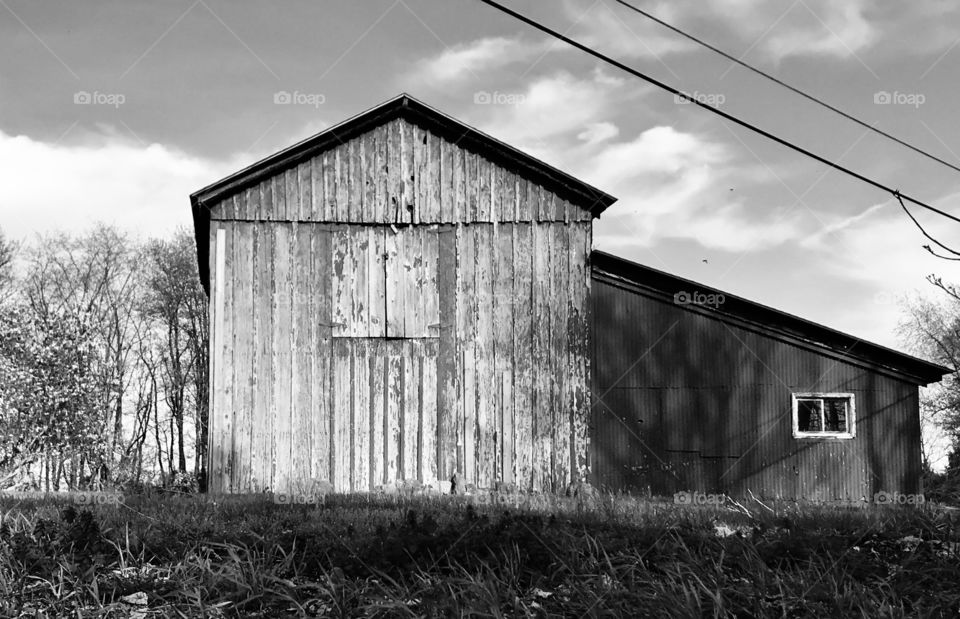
851, 416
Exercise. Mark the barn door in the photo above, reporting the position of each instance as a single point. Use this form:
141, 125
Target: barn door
384, 282
385, 328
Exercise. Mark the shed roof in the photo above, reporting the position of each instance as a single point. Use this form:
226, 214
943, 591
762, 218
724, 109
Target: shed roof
771, 322
403, 106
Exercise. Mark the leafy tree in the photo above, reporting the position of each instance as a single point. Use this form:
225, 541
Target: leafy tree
48, 394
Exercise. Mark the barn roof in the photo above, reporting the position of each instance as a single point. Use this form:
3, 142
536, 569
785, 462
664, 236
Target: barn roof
766, 320
406, 107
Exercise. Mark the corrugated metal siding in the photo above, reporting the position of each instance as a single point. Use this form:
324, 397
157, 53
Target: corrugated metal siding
490, 314
689, 402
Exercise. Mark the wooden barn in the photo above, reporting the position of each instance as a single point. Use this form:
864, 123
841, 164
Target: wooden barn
402, 297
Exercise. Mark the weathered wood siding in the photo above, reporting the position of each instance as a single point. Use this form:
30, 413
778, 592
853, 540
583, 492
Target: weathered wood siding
398, 308
688, 401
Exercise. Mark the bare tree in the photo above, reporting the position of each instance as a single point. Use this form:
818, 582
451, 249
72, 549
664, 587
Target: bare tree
932, 330
176, 301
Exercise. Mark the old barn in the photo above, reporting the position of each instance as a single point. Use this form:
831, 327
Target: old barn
402, 297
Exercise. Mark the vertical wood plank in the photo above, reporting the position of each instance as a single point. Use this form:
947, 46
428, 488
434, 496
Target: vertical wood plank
486, 436
252, 198
393, 414
485, 191
354, 152
243, 354
447, 186
341, 284
466, 298
302, 377
582, 297
447, 375
394, 172
511, 206
419, 182
460, 211
559, 270
342, 413
412, 361
322, 386
406, 172
541, 356
377, 283
316, 189
508, 445
370, 178
378, 404
434, 180
342, 182
219, 362
522, 206
522, 351
281, 405
428, 429
413, 271
305, 184
377, 175
469, 414
471, 209
360, 255
504, 344
430, 292
361, 415
395, 283
280, 197
264, 368
329, 159
266, 200
292, 195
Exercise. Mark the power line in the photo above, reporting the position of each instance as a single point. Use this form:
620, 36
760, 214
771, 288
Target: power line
917, 224
719, 112
792, 89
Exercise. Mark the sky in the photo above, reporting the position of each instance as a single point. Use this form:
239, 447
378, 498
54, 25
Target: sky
117, 111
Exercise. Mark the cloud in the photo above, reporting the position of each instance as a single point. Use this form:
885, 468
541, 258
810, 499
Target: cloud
552, 111
625, 34
470, 60
105, 178
598, 132
830, 29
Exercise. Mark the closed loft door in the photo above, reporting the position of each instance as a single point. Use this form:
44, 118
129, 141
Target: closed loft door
384, 282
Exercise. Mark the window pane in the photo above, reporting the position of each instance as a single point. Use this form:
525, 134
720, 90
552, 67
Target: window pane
835, 414
808, 415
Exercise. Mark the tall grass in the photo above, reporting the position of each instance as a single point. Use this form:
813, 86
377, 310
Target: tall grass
504, 556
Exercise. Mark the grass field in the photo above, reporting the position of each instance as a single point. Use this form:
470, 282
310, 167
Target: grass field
483, 556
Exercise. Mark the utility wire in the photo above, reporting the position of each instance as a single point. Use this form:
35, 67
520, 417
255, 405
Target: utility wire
719, 112
792, 89
896, 194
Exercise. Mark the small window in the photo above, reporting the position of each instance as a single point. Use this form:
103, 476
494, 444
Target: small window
823, 415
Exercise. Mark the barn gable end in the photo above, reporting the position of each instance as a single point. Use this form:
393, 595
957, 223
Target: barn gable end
398, 298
